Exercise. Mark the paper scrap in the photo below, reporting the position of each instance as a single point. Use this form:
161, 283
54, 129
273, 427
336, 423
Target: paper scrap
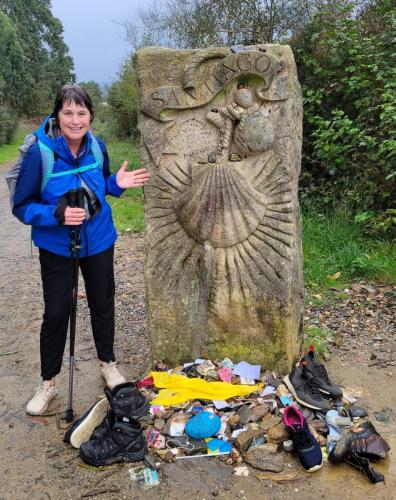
269, 389
247, 370
220, 404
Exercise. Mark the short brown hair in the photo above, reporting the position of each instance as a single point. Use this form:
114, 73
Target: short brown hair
75, 93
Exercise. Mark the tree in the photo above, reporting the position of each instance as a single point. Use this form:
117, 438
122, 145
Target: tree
123, 98
204, 23
13, 79
47, 63
94, 91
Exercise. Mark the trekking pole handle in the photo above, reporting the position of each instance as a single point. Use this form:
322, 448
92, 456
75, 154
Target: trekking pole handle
72, 195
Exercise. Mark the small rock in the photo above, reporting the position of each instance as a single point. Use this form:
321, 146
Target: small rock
258, 412
269, 421
244, 439
373, 356
278, 433
288, 445
242, 470
265, 457
244, 414
233, 420
378, 338
159, 424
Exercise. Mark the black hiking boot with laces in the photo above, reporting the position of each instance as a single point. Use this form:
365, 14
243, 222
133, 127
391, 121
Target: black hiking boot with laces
126, 401
123, 443
319, 375
305, 390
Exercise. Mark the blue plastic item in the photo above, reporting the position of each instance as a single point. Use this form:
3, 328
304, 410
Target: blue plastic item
203, 425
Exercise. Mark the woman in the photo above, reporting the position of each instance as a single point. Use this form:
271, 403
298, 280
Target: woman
39, 201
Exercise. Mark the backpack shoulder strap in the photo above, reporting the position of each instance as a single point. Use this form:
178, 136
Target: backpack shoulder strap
47, 161
96, 150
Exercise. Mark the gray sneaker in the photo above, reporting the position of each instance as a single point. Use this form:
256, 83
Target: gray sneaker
304, 389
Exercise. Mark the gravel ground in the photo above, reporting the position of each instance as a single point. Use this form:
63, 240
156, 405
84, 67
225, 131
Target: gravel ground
35, 463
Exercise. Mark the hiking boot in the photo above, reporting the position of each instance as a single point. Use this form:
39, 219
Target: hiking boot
111, 374
363, 464
40, 401
81, 430
305, 390
104, 427
126, 401
319, 375
305, 445
124, 443
364, 441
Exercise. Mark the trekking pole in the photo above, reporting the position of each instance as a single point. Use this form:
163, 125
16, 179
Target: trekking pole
76, 199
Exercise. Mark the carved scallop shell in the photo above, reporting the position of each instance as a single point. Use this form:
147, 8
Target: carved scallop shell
220, 207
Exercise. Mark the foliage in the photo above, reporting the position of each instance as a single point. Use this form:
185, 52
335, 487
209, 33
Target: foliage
347, 69
8, 124
9, 152
94, 91
318, 337
45, 64
204, 23
128, 211
13, 79
123, 101
337, 250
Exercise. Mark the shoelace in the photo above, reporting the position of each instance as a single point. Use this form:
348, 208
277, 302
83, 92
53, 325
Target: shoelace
310, 387
323, 373
301, 438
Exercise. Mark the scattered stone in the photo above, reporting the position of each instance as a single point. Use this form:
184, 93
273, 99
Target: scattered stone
159, 424
288, 445
233, 420
265, 457
244, 414
278, 433
244, 439
269, 421
258, 412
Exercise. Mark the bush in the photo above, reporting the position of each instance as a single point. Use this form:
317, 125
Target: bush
8, 124
347, 69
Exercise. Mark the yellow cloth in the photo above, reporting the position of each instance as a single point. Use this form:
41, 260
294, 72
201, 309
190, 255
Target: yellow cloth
176, 389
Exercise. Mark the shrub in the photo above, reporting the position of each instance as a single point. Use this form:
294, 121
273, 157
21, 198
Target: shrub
8, 124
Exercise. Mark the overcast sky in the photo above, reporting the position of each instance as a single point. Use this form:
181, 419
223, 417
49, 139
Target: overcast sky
95, 41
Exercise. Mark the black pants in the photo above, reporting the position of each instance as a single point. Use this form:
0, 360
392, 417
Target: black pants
57, 278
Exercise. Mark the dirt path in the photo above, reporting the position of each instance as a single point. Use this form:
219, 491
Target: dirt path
35, 463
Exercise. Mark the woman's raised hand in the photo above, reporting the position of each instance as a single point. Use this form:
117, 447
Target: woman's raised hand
135, 178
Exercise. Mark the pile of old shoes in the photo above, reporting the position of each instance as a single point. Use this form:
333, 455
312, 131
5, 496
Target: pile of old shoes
358, 447
109, 431
308, 382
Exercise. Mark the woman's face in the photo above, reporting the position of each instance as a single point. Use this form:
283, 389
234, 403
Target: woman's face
74, 121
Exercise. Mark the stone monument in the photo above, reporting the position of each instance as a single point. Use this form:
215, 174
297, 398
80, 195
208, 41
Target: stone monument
221, 135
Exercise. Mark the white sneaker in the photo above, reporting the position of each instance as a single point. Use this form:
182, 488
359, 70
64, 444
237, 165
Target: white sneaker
110, 373
40, 401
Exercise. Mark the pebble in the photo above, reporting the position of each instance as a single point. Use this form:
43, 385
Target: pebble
265, 457
244, 414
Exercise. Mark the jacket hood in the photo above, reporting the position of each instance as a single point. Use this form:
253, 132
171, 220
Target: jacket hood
49, 134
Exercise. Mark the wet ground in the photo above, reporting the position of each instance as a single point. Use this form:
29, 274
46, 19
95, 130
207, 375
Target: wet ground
35, 463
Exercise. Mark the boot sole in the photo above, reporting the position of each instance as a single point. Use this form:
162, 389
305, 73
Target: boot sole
293, 391
83, 432
121, 457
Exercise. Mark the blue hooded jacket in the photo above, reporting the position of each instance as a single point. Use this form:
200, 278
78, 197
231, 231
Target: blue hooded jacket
35, 207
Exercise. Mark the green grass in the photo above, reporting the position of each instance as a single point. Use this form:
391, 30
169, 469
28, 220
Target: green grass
128, 211
318, 337
334, 243
9, 152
